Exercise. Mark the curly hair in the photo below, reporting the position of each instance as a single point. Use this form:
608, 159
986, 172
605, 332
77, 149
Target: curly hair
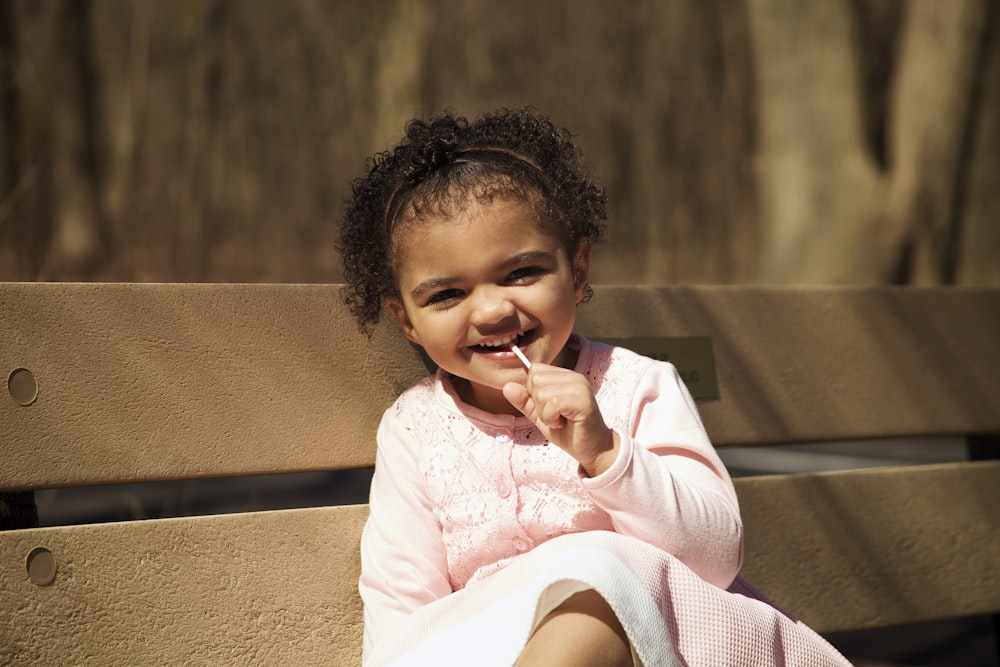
442, 162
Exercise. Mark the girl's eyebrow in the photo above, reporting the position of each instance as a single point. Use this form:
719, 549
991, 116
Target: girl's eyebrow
429, 286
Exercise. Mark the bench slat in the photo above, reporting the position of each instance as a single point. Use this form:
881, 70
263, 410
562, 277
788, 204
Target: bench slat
844, 550
874, 548
271, 588
151, 382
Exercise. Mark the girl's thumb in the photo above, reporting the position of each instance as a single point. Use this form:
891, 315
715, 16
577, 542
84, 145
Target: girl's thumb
517, 395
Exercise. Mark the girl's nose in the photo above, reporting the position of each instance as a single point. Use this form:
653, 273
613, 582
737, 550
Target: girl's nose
491, 306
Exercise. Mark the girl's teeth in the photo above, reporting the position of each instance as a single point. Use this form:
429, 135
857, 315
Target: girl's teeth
500, 343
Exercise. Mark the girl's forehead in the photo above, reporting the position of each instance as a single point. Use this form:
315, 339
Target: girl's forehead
503, 214
480, 236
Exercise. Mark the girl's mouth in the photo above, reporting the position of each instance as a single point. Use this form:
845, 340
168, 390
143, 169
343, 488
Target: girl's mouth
502, 345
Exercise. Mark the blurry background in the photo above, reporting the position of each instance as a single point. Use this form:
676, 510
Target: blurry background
741, 141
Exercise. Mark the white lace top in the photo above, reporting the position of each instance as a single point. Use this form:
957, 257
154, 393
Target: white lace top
459, 493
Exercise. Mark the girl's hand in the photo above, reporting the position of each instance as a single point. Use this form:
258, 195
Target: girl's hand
561, 403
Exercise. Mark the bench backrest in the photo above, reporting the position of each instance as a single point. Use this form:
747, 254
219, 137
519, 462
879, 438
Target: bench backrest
112, 383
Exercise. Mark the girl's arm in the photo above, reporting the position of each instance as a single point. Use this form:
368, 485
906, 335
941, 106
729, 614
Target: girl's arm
403, 565
667, 486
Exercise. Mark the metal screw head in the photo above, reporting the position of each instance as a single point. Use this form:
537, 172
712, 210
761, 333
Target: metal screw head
22, 386
41, 566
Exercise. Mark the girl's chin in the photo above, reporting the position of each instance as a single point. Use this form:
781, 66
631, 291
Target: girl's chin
485, 397
496, 382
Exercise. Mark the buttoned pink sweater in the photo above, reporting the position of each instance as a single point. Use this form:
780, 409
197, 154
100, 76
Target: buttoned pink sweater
460, 494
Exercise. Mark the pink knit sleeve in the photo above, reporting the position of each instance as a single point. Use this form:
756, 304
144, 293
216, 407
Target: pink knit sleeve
668, 486
403, 565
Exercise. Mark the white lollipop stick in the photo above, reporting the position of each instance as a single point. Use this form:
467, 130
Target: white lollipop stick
520, 355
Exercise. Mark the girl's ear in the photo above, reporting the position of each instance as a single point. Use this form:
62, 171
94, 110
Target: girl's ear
581, 268
395, 306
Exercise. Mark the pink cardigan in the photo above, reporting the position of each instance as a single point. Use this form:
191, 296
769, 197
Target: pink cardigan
459, 493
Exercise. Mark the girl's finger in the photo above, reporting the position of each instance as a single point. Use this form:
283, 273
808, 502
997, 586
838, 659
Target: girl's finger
517, 395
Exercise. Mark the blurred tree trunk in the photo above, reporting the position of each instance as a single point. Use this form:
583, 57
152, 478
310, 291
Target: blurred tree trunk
401, 48
127, 119
23, 237
10, 166
816, 181
831, 209
81, 242
936, 106
979, 245
200, 166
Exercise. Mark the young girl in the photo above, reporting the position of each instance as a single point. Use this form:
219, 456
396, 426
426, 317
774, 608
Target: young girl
567, 509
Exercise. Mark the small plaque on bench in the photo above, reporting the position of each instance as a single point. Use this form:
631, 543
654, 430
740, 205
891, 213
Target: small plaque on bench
691, 355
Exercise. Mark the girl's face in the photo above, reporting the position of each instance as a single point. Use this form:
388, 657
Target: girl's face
472, 284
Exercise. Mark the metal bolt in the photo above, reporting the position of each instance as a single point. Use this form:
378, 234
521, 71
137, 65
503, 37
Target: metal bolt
41, 566
22, 386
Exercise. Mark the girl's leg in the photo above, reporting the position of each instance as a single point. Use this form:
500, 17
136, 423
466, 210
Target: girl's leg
581, 632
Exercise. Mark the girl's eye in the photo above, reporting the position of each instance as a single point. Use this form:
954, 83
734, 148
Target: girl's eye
524, 273
444, 296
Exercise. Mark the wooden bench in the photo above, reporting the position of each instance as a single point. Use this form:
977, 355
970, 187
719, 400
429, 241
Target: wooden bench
113, 383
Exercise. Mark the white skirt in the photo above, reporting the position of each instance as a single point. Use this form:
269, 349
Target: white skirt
670, 615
